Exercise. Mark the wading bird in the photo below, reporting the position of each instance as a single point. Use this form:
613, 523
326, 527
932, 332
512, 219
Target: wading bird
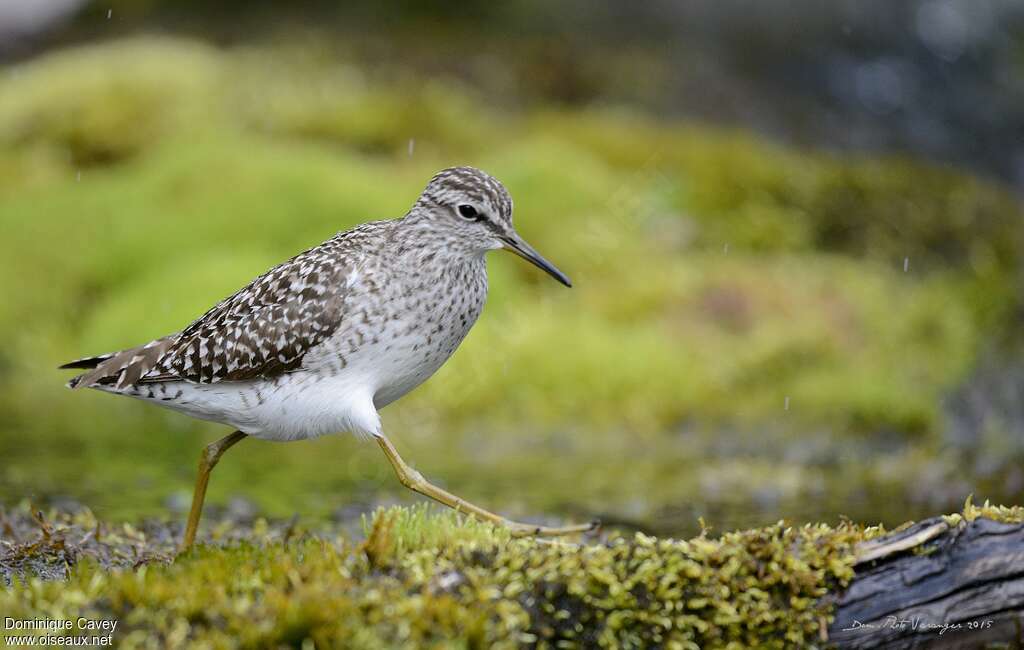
321, 342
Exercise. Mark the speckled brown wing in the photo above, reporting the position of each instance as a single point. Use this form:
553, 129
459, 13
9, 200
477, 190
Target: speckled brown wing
263, 330
119, 369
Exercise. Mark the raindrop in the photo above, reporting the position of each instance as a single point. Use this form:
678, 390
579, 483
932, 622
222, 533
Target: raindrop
906, 264
786, 405
725, 249
78, 176
110, 12
412, 146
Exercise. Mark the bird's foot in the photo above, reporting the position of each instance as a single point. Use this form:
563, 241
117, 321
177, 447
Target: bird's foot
529, 530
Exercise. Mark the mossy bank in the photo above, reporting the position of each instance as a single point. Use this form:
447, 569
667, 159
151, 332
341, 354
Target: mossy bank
420, 578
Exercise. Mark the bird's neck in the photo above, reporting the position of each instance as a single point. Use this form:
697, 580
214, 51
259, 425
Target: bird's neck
417, 233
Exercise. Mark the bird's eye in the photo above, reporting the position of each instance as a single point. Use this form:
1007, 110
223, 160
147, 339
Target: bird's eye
469, 212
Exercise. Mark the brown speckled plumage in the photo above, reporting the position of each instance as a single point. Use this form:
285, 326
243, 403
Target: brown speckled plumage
371, 313
263, 330
320, 343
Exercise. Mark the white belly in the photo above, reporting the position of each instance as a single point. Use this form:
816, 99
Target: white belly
312, 402
295, 406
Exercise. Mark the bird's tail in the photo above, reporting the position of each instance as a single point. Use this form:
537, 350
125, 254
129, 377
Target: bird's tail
117, 368
88, 363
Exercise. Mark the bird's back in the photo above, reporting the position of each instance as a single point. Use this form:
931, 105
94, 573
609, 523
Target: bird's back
260, 331
300, 351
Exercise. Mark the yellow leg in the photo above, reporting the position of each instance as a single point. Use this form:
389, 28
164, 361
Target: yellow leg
413, 480
207, 461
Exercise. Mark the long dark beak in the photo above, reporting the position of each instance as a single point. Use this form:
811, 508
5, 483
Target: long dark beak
515, 243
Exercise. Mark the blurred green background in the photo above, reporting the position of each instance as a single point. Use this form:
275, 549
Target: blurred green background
797, 270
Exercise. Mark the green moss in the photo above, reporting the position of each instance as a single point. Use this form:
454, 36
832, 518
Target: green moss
434, 579
81, 111
718, 279
427, 579
970, 512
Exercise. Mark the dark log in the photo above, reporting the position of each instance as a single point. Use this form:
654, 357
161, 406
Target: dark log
936, 586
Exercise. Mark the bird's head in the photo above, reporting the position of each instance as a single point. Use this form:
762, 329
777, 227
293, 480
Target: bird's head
473, 211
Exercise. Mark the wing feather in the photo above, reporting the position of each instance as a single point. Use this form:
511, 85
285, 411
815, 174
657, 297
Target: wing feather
266, 328
263, 330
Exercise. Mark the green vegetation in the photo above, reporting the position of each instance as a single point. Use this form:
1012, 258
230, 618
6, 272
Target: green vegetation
426, 579
437, 581
745, 335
